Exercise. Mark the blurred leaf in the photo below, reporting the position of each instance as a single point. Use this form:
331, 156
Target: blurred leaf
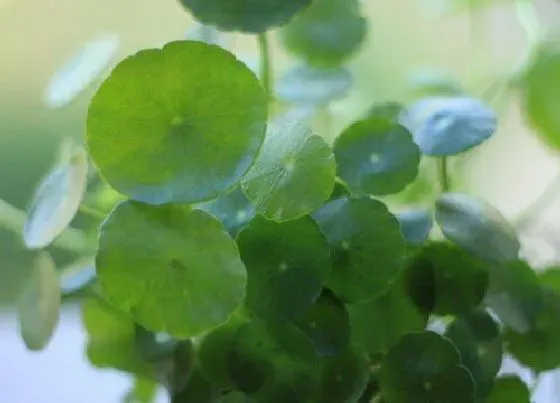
143, 391
286, 266
416, 225
390, 110
198, 390
39, 304
509, 389
202, 141
550, 278
429, 82
185, 258
77, 275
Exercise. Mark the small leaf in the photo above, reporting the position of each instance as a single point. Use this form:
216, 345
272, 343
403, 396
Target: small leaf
39, 304
77, 276
379, 323
286, 264
425, 367
195, 143
327, 33
538, 347
327, 325
449, 125
314, 86
143, 391
244, 15
56, 201
478, 339
294, 173
81, 71
514, 294
173, 269
368, 250
416, 225
477, 227
445, 279
510, 389
376, 156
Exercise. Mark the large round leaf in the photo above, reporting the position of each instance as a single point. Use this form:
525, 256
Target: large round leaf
476, 226
327, 33
425, 367
448, 125
286, 263
416, 225
39, 304
368, 248
294, 173
510, 389
56, 200
174, 269
244, 15
376, 156
179, 124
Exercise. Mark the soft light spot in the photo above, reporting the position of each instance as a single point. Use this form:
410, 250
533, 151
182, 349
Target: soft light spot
313, 325
283, 267
177, 121
375, 158
241, 215
338, 378
345, 245
427, 385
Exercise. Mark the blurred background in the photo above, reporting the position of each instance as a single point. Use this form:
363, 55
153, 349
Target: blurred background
406, 37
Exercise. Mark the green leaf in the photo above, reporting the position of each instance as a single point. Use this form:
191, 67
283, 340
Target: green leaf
510, 389
389, 110
416, 225
244, 15
314, 86
56, 200
198, 390
143, 391
514, 294
445, 279
428, 82
476, 226
539, 89
326, 324
294, 173
376, 156
233, 210
187, 134
538, 347
77, 275
286, 264
425, 367
550, 278
379, 323
368, 250
274, 362
478, 339
343, 377
173, 269
449, 125
78, 73
39, 304
327, 33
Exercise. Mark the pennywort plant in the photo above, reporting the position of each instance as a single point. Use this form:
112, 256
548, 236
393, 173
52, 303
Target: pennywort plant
239, 255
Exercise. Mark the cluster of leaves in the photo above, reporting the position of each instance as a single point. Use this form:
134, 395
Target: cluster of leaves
244, 258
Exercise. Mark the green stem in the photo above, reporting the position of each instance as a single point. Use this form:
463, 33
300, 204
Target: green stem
529, 20
536, 206
443, 175
13, 219
266, 73
92, 212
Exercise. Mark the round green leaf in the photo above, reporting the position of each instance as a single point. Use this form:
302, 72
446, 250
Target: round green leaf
376, 156
389, 110
315, 86
478, 339
286, 264
233, 209
509, 389
327, 325
56, 200
449, 125
477, 227
187, 132
514, 294
184, 257
416, 225
379, 323
538, 347
425, 367
343, 377
39, 304
368, 250
81, 71
77, 275
294, 173
327, 33
244, 15
445, 279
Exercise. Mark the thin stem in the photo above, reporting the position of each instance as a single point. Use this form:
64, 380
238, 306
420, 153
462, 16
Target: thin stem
13, 219
266, 73
536, 206
92, 212
529, 20
443, 175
